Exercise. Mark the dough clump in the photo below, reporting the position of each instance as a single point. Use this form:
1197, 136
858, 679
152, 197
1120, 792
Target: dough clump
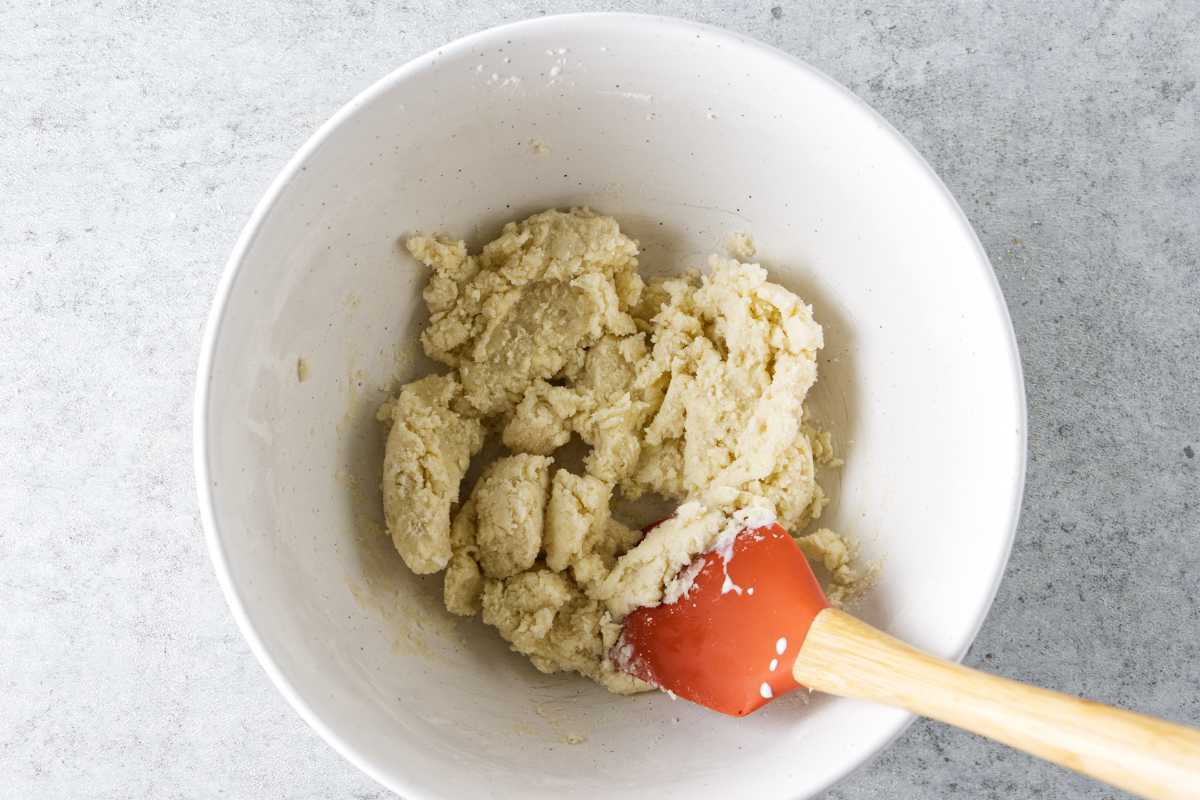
427, 453
690, 388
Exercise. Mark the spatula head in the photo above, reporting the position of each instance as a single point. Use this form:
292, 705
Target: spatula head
730, 642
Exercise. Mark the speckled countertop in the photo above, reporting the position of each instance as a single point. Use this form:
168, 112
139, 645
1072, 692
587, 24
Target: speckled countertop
135, 138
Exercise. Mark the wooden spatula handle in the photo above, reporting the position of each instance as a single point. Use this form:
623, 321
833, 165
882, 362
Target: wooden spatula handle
1156, 759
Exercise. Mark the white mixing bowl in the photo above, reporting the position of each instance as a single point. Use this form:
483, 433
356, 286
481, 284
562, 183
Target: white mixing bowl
686, 134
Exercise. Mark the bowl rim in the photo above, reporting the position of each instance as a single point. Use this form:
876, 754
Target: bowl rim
293, 166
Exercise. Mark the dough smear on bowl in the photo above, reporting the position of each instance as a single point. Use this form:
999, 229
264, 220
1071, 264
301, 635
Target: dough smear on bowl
691, 388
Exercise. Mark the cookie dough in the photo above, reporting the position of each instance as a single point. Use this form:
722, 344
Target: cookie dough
690, 388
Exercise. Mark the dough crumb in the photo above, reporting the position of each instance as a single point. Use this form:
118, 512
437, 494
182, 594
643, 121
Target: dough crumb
740, 245
838, 557
822, 446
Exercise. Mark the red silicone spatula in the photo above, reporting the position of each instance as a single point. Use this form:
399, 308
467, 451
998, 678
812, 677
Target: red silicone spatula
757, 625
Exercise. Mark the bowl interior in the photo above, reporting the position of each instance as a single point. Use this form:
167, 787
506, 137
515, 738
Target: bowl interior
686, 135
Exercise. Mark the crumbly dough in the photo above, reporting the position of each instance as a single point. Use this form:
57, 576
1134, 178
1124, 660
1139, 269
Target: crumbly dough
690, 388
847, 579
740, 245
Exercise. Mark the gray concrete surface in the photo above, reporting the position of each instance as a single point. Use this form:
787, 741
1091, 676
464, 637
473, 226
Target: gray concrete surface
136, 136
